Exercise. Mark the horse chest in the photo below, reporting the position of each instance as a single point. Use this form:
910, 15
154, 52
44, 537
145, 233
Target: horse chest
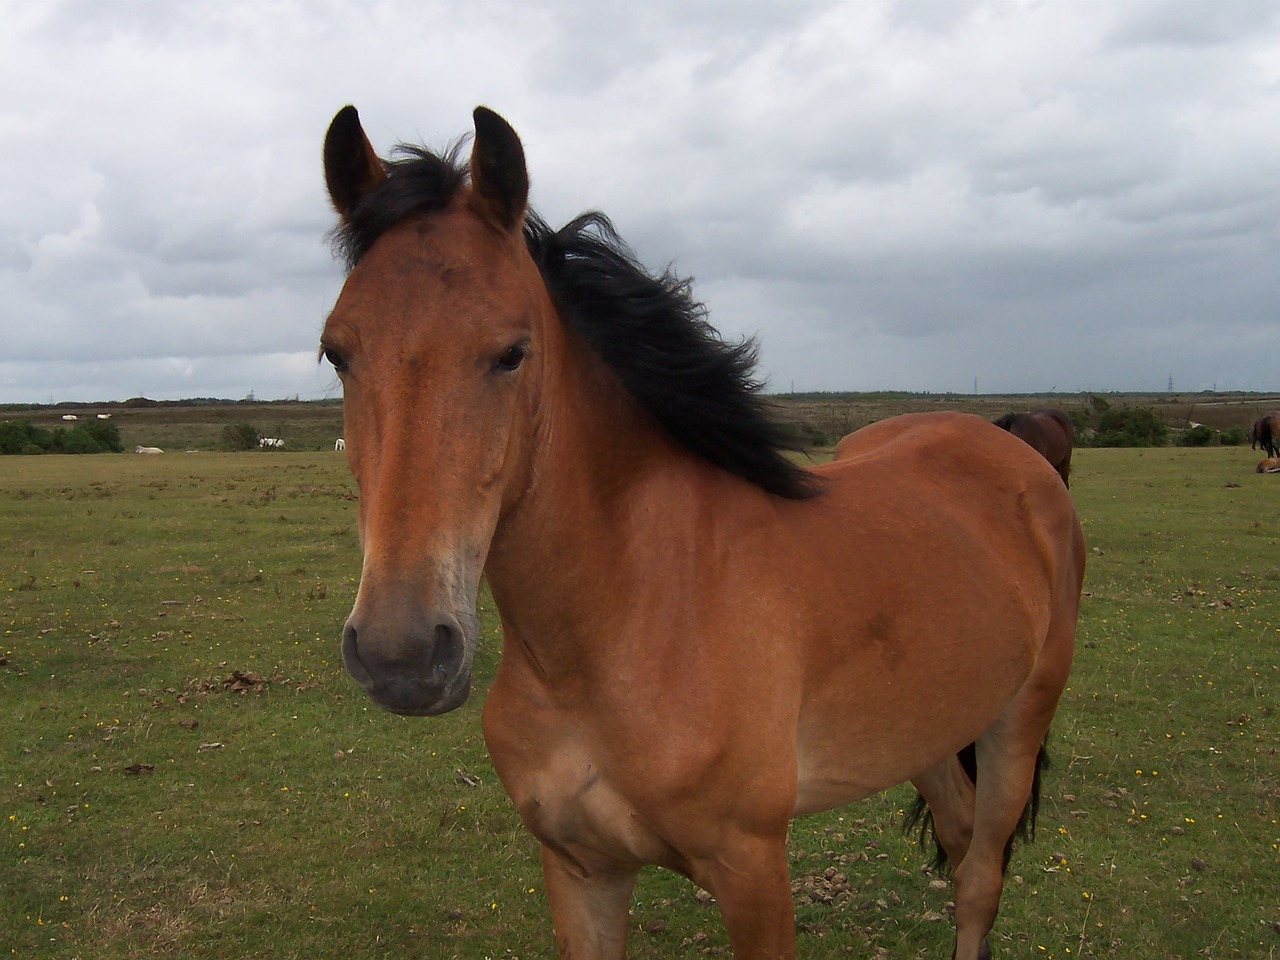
563, 792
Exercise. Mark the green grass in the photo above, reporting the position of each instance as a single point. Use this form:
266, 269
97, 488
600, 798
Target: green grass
132, 588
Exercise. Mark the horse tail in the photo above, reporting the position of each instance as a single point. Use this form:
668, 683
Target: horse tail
919, 819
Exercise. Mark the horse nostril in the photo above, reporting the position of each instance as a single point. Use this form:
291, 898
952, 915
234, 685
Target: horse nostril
351, 653
447, 649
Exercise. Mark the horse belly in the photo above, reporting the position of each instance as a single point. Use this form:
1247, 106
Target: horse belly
880, 731
906, 685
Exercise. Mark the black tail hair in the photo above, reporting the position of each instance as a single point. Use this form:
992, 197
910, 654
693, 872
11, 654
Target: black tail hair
919, 818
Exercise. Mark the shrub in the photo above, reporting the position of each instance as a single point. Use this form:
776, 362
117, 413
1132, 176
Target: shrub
815, 436
1106, 426
74, 441
240, 436
1197, 436
20, 436
105, 434
14, 435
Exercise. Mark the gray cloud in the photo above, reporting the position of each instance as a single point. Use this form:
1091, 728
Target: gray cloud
890, 195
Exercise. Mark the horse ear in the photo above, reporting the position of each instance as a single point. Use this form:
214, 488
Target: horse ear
351, 167
499, 180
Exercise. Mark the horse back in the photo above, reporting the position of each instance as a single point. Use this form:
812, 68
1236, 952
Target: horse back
954, 477
942, 451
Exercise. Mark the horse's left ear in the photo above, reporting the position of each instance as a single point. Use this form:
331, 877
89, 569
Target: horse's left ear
351, 167
499, 180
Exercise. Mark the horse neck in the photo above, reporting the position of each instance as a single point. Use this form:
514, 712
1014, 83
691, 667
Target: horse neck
567, 558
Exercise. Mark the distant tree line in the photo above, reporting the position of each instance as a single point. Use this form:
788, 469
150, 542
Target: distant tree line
92, 436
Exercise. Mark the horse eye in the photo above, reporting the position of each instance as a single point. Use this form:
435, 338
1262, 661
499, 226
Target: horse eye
512, 357
335, 358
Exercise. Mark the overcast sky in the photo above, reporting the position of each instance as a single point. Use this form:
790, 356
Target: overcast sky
922, 195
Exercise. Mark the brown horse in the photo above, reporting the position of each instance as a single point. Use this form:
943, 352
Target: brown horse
1266, 434
1048, 431
701, 640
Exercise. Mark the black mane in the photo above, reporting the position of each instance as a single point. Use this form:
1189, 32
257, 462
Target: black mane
418, 183
649, 330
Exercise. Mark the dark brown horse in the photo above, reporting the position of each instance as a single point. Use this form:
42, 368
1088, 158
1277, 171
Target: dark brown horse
701, 640
1048, 431
1266, 434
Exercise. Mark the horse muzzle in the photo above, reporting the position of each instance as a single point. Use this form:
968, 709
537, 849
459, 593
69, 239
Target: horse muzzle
421, 667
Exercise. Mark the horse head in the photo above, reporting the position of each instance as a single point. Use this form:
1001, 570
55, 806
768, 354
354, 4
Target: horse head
435, 337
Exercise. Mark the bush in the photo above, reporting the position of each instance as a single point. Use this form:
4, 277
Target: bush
815, 436
1197, 436
94, 436
16, 436
74, 441
1106, 426
240, 436
105, 434
1232, 437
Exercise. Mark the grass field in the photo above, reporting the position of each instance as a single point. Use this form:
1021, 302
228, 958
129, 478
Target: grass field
186, 771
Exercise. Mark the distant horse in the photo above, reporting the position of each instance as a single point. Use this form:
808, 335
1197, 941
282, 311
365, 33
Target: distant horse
270, 443
1048, 431
1269, 465
339, 444
1266, 434
701, 639
142, 449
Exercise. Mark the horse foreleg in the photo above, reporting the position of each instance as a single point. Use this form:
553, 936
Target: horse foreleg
752, 884
589, 906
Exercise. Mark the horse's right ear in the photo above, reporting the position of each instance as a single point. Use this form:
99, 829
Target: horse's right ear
351, 167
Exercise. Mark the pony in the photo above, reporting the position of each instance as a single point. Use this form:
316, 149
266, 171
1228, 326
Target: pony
1269, 465
702, 638
270, 443
1266, 434
142, 449
1049, 431
339, 444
